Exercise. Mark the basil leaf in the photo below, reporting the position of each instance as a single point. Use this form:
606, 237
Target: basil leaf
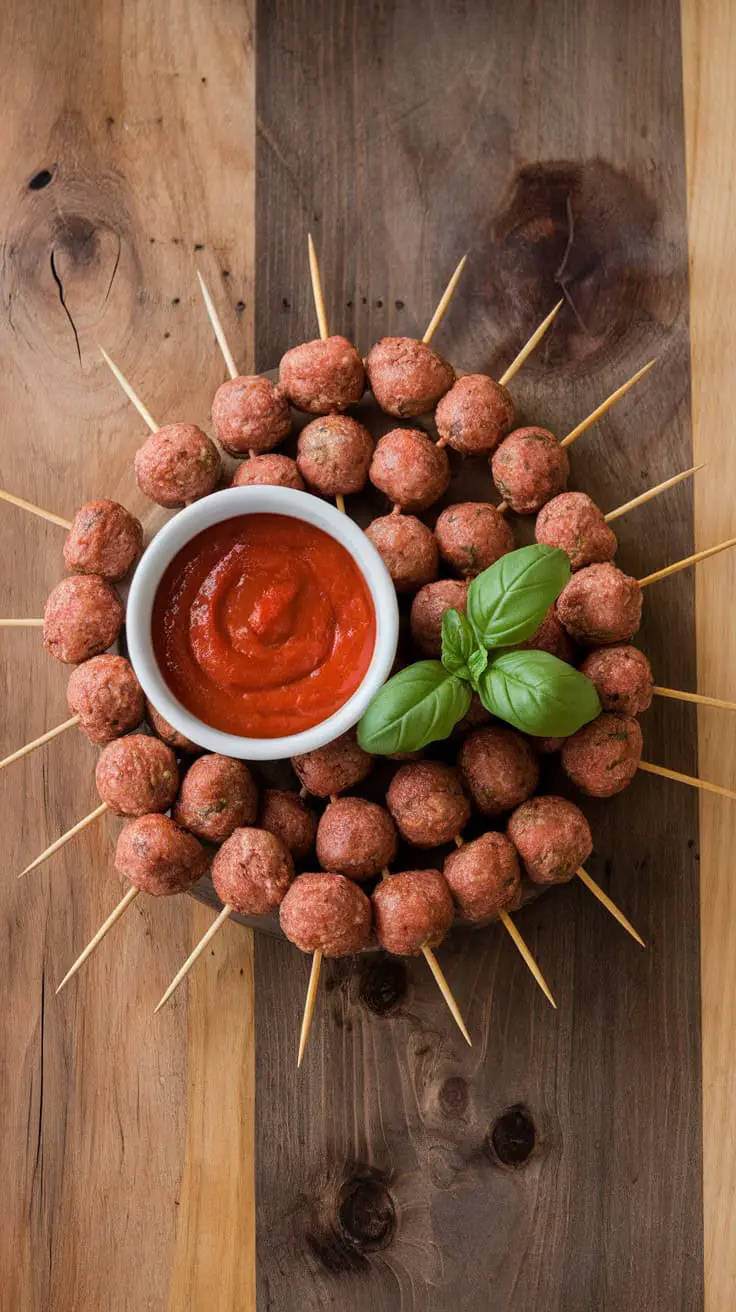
509, 600
476, 664
538, 693
418, 706
458, 641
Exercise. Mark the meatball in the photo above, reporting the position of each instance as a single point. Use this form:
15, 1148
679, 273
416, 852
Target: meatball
356, 838
427, 610
176, 465
471, 535
546, 746
622, 677
82, 617
326, 913
484, 877
106, 696
137, 774
427, 802
250, 414
552, 637
252, 871
552, 838
499, 768
334, 454
168, 733
574, 524
408, 550
603, 757
331, 769
217, 795
320, 377
412, 911
287, 815
409, 468
600, 605
269, 471
475, 715
530, 467
406, 376
474, 415
104, 539
158, 857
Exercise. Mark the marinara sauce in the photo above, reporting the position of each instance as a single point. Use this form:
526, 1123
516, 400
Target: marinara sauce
263, 626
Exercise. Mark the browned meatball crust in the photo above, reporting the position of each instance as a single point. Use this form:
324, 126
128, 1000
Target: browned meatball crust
82, 617
406, 376
326, 913
622, 677
552, 636
484, 876
168, 734
409, 468
412, 910
106, 695
137, 774
408, 550
427, 802
600, 605
158, 857
471, 535
574, 524
427, 610
217, 796
499, 768
529, 468
334, 454
333, 768
252, 871
552, 838
104, 539
356, 838
177, 464
250, 414
319, 377
269, 471
475, 414
287, 815
603, 757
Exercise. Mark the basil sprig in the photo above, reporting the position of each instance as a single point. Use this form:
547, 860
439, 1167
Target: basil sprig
420, 705
508, 601
538, 693
458, 641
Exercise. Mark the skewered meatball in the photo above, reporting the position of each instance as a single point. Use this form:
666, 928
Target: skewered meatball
408, 550
287, 815
331, 769
334, 455
176, 465
427, 610
82, 617
217, 796
475, 414
472, 535
158, 857
104, 539
356, 838
252, 871
137, 774
320, 377
499, 768
427, 802
552, 838
412, 910
326, 913
269, 471
600, 605
168, 734
530, 467
484, 877
622, 677
552, 637
409, 468
406, 376
546, 746
250, 414
603, 757
574, 524
106, 695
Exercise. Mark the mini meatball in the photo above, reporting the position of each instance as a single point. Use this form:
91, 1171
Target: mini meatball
356, 838
104, 539
475, 715
408, 550
484, 877
320, 377
412, 911
287, 815
406, 376
600, 605
331, 769
82, 617
176, 465
603, 757
622, 677
252, 872
168, 734
334, 454
326, 913
529, 468
552, 637
546, 746
499, 768
474, 415
137, 774
574, 524
106, 696
427, 802
269, 471
427, 610
410, 469
250, 414
471, 535
158, 857
552, 838
217, 796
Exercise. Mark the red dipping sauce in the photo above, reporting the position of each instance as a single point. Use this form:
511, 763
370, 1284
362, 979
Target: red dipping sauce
263, 626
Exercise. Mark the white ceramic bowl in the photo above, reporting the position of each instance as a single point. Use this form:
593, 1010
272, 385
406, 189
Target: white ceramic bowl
213, 510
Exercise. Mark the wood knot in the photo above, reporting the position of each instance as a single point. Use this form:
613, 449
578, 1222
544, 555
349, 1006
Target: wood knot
453, 1097
352, 1215
513, 1138
366, 1213
41, 179
75, 237
383, 984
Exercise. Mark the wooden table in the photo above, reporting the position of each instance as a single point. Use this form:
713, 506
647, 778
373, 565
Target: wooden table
558, 1163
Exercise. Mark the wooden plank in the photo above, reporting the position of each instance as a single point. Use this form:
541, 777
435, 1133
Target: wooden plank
550, 144
126, 153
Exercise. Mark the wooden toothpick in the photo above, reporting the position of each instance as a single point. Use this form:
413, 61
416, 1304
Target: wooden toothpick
319, 300
309, 1004
689, 779
21, 624
194, 955
114, 916
444, 301
529, 961
446, 992
696, 697
651, 493
610, 906
34, 509
601, 409
218, 329
131, 394
39, 742
526, 350
684, 564
65, 838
